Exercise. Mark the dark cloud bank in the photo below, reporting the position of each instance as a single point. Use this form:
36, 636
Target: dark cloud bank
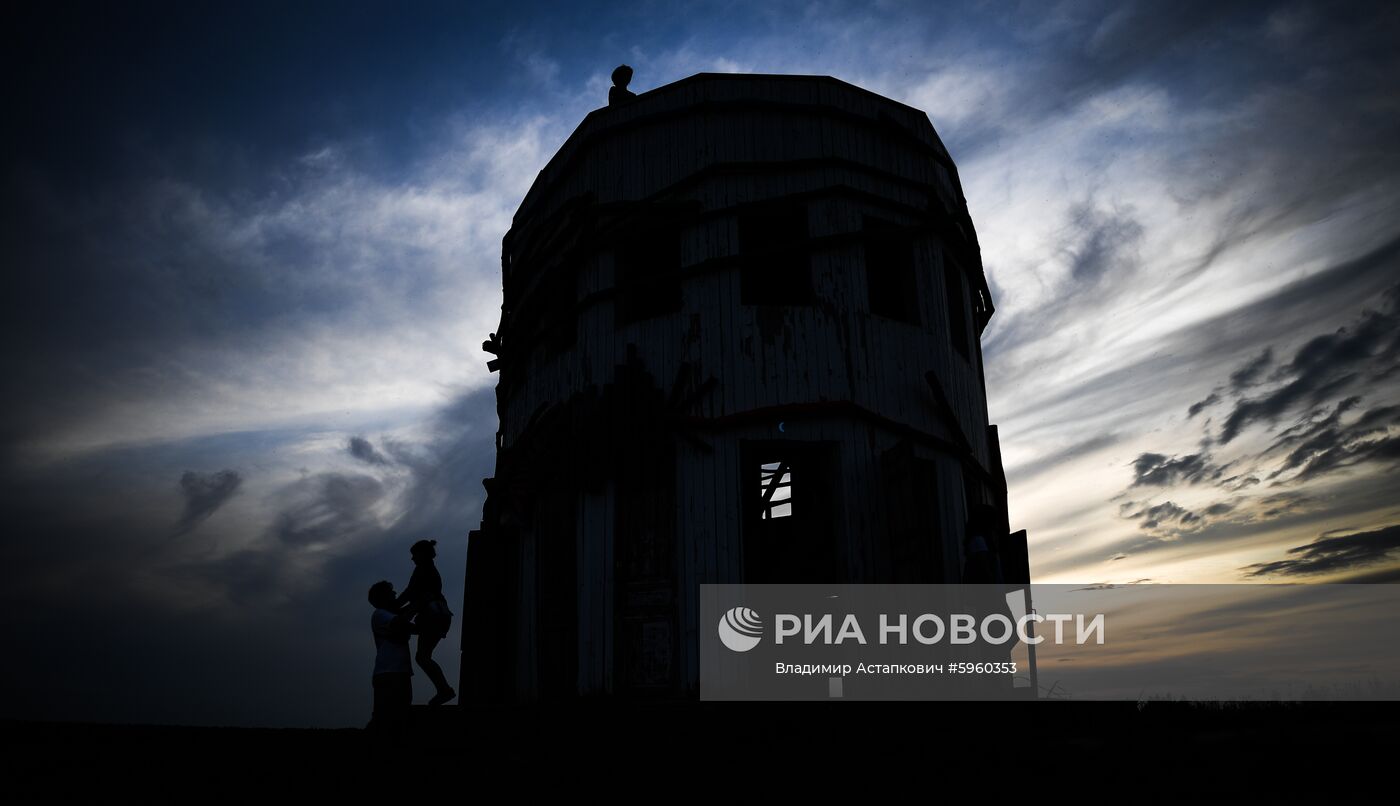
117, 627
1320, 392
1328, 554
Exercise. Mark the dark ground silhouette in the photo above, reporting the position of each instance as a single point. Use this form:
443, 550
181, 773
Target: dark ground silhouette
868, 747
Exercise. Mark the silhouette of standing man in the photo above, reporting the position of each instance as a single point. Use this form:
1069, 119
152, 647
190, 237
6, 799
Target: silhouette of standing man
393, 673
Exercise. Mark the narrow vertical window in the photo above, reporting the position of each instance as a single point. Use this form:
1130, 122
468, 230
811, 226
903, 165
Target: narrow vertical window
775, 482
775, 266
889, 271
790, 536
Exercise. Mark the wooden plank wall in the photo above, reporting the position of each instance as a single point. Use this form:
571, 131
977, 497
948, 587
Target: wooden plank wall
834, 350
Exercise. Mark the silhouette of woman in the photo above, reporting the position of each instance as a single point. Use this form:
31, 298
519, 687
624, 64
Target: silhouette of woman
423, 600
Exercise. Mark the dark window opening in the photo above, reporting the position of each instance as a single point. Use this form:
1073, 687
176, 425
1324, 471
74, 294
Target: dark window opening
957, 306
776, 268
889, 271
648, 279
775, 482
910, 491
790, 508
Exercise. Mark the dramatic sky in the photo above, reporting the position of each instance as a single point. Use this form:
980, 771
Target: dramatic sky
250, 256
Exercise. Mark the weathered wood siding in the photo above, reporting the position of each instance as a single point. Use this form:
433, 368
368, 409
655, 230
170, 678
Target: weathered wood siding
830, 371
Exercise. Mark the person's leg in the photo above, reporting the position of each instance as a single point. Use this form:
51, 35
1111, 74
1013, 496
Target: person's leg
426, 644
393, 697
403, 698
385, 691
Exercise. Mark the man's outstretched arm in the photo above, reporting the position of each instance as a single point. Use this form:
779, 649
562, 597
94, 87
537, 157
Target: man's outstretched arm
411, 600
401, 627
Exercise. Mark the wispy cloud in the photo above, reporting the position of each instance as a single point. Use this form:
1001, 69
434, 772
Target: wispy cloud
336, 290
1330, 554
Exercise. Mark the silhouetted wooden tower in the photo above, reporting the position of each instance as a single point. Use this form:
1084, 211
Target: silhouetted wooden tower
739, 342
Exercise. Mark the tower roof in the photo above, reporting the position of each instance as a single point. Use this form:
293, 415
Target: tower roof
719, 92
